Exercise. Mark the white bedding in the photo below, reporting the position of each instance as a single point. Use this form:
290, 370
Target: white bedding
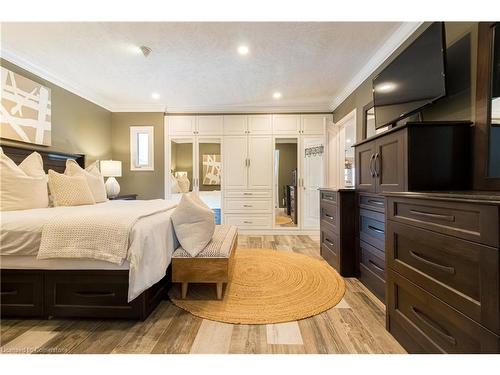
211, 198
151, 242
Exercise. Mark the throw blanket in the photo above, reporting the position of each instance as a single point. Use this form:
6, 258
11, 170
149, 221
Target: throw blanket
99, 231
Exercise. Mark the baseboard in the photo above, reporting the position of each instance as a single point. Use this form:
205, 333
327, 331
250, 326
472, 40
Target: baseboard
279, 232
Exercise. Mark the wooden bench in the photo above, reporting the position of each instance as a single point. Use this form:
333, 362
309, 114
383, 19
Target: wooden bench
213, 264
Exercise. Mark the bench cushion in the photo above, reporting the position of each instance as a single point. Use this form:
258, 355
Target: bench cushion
220, 245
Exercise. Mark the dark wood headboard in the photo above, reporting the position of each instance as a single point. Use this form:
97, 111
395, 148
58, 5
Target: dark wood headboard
51, 159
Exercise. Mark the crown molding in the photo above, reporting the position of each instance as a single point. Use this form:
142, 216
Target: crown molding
384, 52
83, 92
261, 108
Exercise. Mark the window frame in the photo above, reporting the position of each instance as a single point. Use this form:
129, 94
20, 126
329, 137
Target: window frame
134, 131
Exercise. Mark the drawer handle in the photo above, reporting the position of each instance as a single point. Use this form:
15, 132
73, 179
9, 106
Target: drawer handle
329, 242
375, 229
9, 293
330, 217
434, 216
433, 325
247, 222
247, 205
450, 270
376, 265
247, 194
378, 203
95, 294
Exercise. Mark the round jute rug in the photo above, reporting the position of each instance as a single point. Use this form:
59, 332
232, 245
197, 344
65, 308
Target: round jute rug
282, 220
267, 286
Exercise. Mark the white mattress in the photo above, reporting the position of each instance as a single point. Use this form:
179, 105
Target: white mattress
151, 244
211, 198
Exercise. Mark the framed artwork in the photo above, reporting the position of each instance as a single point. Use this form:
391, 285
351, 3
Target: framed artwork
211, 169
25, 109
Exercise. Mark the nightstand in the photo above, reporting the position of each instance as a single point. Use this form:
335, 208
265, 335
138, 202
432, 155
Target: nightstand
127, 197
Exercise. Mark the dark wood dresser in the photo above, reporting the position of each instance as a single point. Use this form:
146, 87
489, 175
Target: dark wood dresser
337, 227
442, 257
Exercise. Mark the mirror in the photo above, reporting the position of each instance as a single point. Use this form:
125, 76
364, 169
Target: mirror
285, 182
181, 165
494, 132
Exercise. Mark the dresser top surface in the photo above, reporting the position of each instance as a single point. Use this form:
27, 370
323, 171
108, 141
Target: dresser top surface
472, 196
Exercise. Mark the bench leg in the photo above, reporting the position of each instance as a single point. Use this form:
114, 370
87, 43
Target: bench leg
219, 290
184, 290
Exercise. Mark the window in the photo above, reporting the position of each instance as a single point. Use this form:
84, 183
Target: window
141, 148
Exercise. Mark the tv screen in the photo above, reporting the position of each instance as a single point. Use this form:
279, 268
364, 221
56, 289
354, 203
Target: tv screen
414, 79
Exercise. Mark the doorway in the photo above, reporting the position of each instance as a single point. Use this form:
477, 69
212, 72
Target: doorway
285, 183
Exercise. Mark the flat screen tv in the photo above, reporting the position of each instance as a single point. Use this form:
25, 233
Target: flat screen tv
412, 80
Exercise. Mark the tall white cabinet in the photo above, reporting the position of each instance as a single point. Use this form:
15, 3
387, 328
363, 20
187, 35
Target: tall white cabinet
248, 146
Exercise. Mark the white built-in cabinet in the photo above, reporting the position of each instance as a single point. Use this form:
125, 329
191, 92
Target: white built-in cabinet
248, 144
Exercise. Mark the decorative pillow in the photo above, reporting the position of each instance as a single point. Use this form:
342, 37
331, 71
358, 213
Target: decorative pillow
93, 176
194, 225
69, 190
183, 183
196, 197
174, 185
23, 186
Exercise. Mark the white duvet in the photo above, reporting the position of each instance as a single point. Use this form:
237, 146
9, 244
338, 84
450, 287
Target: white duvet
151, 240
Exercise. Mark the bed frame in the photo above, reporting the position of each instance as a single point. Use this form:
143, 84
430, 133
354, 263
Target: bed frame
27, 293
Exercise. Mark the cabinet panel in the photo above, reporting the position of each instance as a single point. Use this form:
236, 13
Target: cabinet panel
209, 125
286, 124
248, 205
390, 162
235, 159
249, 221
365, 176
235, 124
181, 125
260, 155
260, 124
312, 171
313, 124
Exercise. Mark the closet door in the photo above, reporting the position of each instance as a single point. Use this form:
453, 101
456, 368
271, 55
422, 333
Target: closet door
235, 124
181, 125
314, 124
286, 124
260, 156
209, 125
235, 155
313, 177
260, 124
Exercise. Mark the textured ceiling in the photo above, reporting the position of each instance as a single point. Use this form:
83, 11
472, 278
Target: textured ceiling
195, 66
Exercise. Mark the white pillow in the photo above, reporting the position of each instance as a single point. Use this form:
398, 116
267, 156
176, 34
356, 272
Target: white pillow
196, 197
69, 190
174, 186
194, 225
93, 176
183, 183
23, 186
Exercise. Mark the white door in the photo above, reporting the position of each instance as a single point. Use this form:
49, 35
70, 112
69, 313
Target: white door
235, 161
260, 168
235, 124
312, 153
286, 124
181, 125
260, 124
209, 125
314, 124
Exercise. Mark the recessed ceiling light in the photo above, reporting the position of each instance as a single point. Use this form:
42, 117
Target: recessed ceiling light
348, 140
155, 96
277, 95
243, 50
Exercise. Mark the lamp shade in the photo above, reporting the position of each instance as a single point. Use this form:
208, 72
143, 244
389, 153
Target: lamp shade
111, 168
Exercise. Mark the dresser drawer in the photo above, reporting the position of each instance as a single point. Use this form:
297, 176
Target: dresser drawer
372, 281
248, 194
372, 228
474, 222
21, 293
461, 273
373, 259
248, 205
371, 202
433, 325
330, 249
328, 197
249, 221
329, 216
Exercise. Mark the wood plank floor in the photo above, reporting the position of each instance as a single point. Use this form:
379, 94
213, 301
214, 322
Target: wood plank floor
355, 325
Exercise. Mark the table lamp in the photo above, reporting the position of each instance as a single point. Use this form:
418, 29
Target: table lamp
111, 169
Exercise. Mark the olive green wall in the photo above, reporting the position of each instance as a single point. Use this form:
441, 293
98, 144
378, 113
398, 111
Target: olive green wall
459, 105
78, 126
147, 184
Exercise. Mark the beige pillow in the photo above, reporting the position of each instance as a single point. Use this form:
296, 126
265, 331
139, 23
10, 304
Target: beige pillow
93, 176
69, 190
194, 225
196, 197
183, 183
23, 186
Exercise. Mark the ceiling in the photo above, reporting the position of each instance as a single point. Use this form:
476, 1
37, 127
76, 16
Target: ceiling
195, 67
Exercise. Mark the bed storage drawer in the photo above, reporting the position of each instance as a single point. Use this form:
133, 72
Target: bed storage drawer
372, 228
21, 293
473, 222
429, 325
460, 273
92, 294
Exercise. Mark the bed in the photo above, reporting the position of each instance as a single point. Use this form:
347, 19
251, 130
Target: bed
43, 288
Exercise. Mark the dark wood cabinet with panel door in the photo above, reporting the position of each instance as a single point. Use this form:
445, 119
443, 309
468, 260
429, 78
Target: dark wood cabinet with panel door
337, 224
